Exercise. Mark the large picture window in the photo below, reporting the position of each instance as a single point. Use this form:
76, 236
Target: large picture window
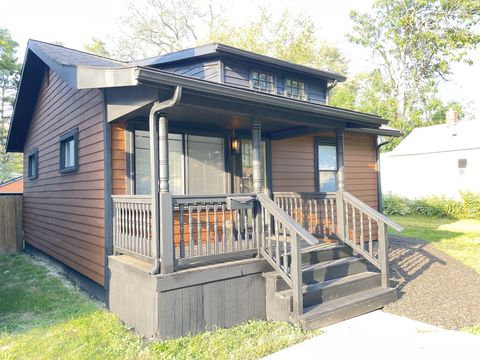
196, 164
326, 154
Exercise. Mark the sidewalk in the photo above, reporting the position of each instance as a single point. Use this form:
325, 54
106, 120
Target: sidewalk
379, 335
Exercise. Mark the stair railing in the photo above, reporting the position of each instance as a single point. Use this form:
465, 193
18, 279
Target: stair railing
365, 230
280, 244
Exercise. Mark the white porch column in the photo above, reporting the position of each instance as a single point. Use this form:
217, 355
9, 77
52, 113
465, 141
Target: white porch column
257, 156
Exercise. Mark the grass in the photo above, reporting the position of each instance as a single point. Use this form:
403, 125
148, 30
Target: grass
457, 238
43, 318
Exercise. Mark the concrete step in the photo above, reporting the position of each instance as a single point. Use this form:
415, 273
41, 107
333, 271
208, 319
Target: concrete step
333, 269
321, 292
346, 307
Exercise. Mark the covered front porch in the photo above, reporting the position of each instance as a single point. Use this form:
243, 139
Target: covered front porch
199, 202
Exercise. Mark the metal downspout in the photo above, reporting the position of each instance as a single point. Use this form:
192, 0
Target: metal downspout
154, 166
379, 177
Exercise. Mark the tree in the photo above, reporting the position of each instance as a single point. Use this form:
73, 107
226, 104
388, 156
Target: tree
10, 164
292, 38
154, 27
414, 43
97, 47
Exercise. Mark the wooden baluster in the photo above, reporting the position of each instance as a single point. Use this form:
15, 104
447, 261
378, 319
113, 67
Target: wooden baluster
232, 231
129, 217
267, 216
239, 229
182, 232
253, 244
191, 245
285, 252
315, 201
310, 217
354, 231
347, 233
302, 212
370, 243
245, 224
277, 244
327, 227
224, 230
215, 228
149, 230
207, 226
332, 208
199, 230
361, 231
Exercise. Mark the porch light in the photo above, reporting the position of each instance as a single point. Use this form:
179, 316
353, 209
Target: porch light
235, 145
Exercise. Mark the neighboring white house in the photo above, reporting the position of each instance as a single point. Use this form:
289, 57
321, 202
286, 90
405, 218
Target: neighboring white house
435, 160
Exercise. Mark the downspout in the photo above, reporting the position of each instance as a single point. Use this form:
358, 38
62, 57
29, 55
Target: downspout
330, 87
154, 166
379, 177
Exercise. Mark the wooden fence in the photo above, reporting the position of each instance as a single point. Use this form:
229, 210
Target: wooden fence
11, 223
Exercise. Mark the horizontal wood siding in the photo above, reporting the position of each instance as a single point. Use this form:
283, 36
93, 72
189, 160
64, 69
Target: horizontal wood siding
293, 167
64, 213
361, 167
119, 180
237, 73
206, 70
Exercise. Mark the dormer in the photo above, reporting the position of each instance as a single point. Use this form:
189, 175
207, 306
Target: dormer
244, 69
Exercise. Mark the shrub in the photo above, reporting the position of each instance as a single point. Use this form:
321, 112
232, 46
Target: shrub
433, 206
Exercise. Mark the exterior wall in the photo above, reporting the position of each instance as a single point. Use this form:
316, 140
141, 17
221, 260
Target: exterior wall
206, 69
361, 167
119, 148
15, 186
293, 167
64, 213
237, 73
435, 174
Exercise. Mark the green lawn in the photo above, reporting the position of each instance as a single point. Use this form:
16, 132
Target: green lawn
41, 318
458, 238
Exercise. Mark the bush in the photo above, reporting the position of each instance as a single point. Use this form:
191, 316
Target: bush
433, 206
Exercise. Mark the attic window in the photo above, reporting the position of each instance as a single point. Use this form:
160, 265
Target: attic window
263, 82
68, 151
462, 163
295, 89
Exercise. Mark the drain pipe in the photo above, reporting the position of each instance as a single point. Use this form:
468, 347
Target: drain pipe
155, 165
379, 177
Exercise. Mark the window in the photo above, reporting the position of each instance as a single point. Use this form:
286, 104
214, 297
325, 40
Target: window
68, 151
327, 165
196, 164
32, 164
295, 89
263, 82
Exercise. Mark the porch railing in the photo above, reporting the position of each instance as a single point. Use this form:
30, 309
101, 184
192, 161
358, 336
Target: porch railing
132, 225
314, 211
205, 228
365, 230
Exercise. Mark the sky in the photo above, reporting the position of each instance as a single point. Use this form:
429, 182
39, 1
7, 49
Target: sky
74, 23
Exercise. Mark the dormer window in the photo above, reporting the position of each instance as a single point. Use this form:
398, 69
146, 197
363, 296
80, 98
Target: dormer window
264, 82
295, 89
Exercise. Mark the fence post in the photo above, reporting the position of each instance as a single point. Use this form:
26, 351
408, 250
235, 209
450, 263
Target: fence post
383, 254
296, 275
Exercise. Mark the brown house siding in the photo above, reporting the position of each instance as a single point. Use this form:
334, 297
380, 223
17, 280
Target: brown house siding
64, 213
119, 183
293, 167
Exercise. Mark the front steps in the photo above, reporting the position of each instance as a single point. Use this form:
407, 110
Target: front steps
336, 286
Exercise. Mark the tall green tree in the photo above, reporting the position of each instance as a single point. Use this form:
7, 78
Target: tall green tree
414, 44
10, 164
98, 47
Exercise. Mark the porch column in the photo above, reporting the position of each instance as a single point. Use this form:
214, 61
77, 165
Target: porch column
162, 222
166, 208
340, 185
257, 156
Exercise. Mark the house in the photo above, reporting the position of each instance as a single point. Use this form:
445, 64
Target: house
445, 159
14, 185
202, 188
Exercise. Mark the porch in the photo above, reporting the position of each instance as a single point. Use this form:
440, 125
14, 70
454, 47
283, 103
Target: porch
185, 245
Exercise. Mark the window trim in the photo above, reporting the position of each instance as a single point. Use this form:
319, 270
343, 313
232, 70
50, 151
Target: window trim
34, 153
63, 139
266, 72
293, 78
324, 140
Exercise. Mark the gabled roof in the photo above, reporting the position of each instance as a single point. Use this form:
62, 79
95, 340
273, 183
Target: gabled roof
210, 50
86, 71
440, 138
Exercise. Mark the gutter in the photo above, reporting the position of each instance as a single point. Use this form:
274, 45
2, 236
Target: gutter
154, 166
379, 178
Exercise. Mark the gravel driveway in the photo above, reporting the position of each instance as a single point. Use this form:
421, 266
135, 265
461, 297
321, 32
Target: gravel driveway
432, 286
